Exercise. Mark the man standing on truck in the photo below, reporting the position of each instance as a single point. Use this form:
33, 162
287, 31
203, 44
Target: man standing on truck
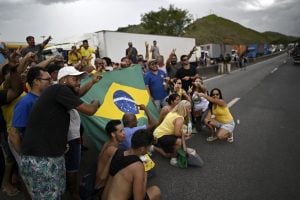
131, 53
86, 51
37, 49
155, 50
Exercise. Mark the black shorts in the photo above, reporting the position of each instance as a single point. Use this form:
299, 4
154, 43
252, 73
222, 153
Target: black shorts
3, 97
167, 143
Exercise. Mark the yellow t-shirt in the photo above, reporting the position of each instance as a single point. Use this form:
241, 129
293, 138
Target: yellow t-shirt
222, 114
167, 125
73, 57
86, 52
8, 110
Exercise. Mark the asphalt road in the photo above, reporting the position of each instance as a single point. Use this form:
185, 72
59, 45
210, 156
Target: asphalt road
263, 161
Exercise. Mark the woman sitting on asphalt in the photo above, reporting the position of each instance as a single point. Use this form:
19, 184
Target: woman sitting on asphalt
219, 118
200, 104
172, 100
168, 133
177, 88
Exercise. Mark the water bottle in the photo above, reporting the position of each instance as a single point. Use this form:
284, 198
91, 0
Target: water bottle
190, 127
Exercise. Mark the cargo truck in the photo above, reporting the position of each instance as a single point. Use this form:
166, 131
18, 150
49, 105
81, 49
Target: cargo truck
113, 44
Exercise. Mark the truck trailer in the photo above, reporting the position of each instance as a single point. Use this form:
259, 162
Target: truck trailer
113, 44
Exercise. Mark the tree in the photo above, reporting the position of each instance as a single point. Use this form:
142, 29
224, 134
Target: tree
166, 22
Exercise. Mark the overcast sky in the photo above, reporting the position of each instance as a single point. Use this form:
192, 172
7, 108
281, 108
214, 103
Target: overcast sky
65, 18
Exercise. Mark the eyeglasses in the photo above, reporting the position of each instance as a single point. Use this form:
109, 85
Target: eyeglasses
45, 79
215, 94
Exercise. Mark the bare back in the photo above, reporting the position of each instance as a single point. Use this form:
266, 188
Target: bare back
129, 182
103, 163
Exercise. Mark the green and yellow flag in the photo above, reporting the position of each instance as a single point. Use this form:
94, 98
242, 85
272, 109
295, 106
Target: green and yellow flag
119, 92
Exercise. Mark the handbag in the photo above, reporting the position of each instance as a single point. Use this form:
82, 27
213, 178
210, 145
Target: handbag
194, 159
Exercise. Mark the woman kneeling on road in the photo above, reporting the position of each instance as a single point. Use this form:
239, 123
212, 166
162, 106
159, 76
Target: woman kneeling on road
169, 132
219, 118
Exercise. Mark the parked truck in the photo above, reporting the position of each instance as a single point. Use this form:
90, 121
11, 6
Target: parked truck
213, 51
113, 44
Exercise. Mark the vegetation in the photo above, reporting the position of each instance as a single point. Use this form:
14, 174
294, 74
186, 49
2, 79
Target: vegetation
209, 29
170, 21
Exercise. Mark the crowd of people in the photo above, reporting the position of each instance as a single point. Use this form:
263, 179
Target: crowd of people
41, 130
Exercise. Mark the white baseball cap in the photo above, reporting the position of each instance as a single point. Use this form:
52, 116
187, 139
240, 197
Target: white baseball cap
68, 71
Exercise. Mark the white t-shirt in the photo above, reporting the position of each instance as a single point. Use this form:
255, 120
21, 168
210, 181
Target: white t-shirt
74, 127
200, 103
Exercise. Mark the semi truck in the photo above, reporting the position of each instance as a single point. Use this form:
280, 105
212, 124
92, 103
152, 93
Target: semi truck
113, 44
213, 51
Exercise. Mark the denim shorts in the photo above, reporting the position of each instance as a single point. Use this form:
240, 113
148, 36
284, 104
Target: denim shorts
228, 126
73, 156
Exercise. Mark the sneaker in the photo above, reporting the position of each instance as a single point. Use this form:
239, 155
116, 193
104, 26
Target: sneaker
174, 162
230, 138
211, 138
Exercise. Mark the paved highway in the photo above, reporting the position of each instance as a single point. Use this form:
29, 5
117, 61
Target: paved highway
264, 160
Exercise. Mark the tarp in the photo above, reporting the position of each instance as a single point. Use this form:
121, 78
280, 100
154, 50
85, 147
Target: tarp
119, 92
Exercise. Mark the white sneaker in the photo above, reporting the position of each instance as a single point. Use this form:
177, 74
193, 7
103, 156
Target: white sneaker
211, 138
174, 162
230, 138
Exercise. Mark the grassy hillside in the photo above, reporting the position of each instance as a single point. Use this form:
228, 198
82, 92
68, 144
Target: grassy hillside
215, 29
275, 37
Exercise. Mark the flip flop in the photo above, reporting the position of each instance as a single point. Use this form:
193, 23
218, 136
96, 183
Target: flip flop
11, 193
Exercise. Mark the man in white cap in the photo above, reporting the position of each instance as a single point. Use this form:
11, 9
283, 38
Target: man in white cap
44, 143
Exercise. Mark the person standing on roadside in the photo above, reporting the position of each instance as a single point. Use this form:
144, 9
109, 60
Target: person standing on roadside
44, 143
186, 73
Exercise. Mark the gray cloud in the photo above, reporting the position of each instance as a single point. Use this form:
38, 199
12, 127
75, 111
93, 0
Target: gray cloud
48, 2
21, 17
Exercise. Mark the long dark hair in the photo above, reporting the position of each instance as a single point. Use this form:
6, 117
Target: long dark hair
211, 93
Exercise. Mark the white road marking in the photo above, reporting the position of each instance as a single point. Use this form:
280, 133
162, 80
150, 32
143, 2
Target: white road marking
233, 101
274, 70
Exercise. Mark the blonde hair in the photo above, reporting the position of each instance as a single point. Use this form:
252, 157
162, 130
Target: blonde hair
181, 108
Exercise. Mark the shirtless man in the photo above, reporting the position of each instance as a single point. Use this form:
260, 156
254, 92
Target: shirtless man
116, 131
127, 177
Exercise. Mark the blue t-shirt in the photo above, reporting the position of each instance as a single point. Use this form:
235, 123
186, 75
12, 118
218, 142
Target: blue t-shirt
2, 58
22, 111
126, 143
155, 84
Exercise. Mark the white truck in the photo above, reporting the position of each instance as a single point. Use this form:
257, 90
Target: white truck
113, 44
213, 51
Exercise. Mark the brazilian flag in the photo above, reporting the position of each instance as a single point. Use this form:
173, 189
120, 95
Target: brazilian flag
119, 92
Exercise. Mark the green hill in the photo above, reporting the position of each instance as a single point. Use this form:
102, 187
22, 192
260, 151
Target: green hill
215, 29
278, 38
